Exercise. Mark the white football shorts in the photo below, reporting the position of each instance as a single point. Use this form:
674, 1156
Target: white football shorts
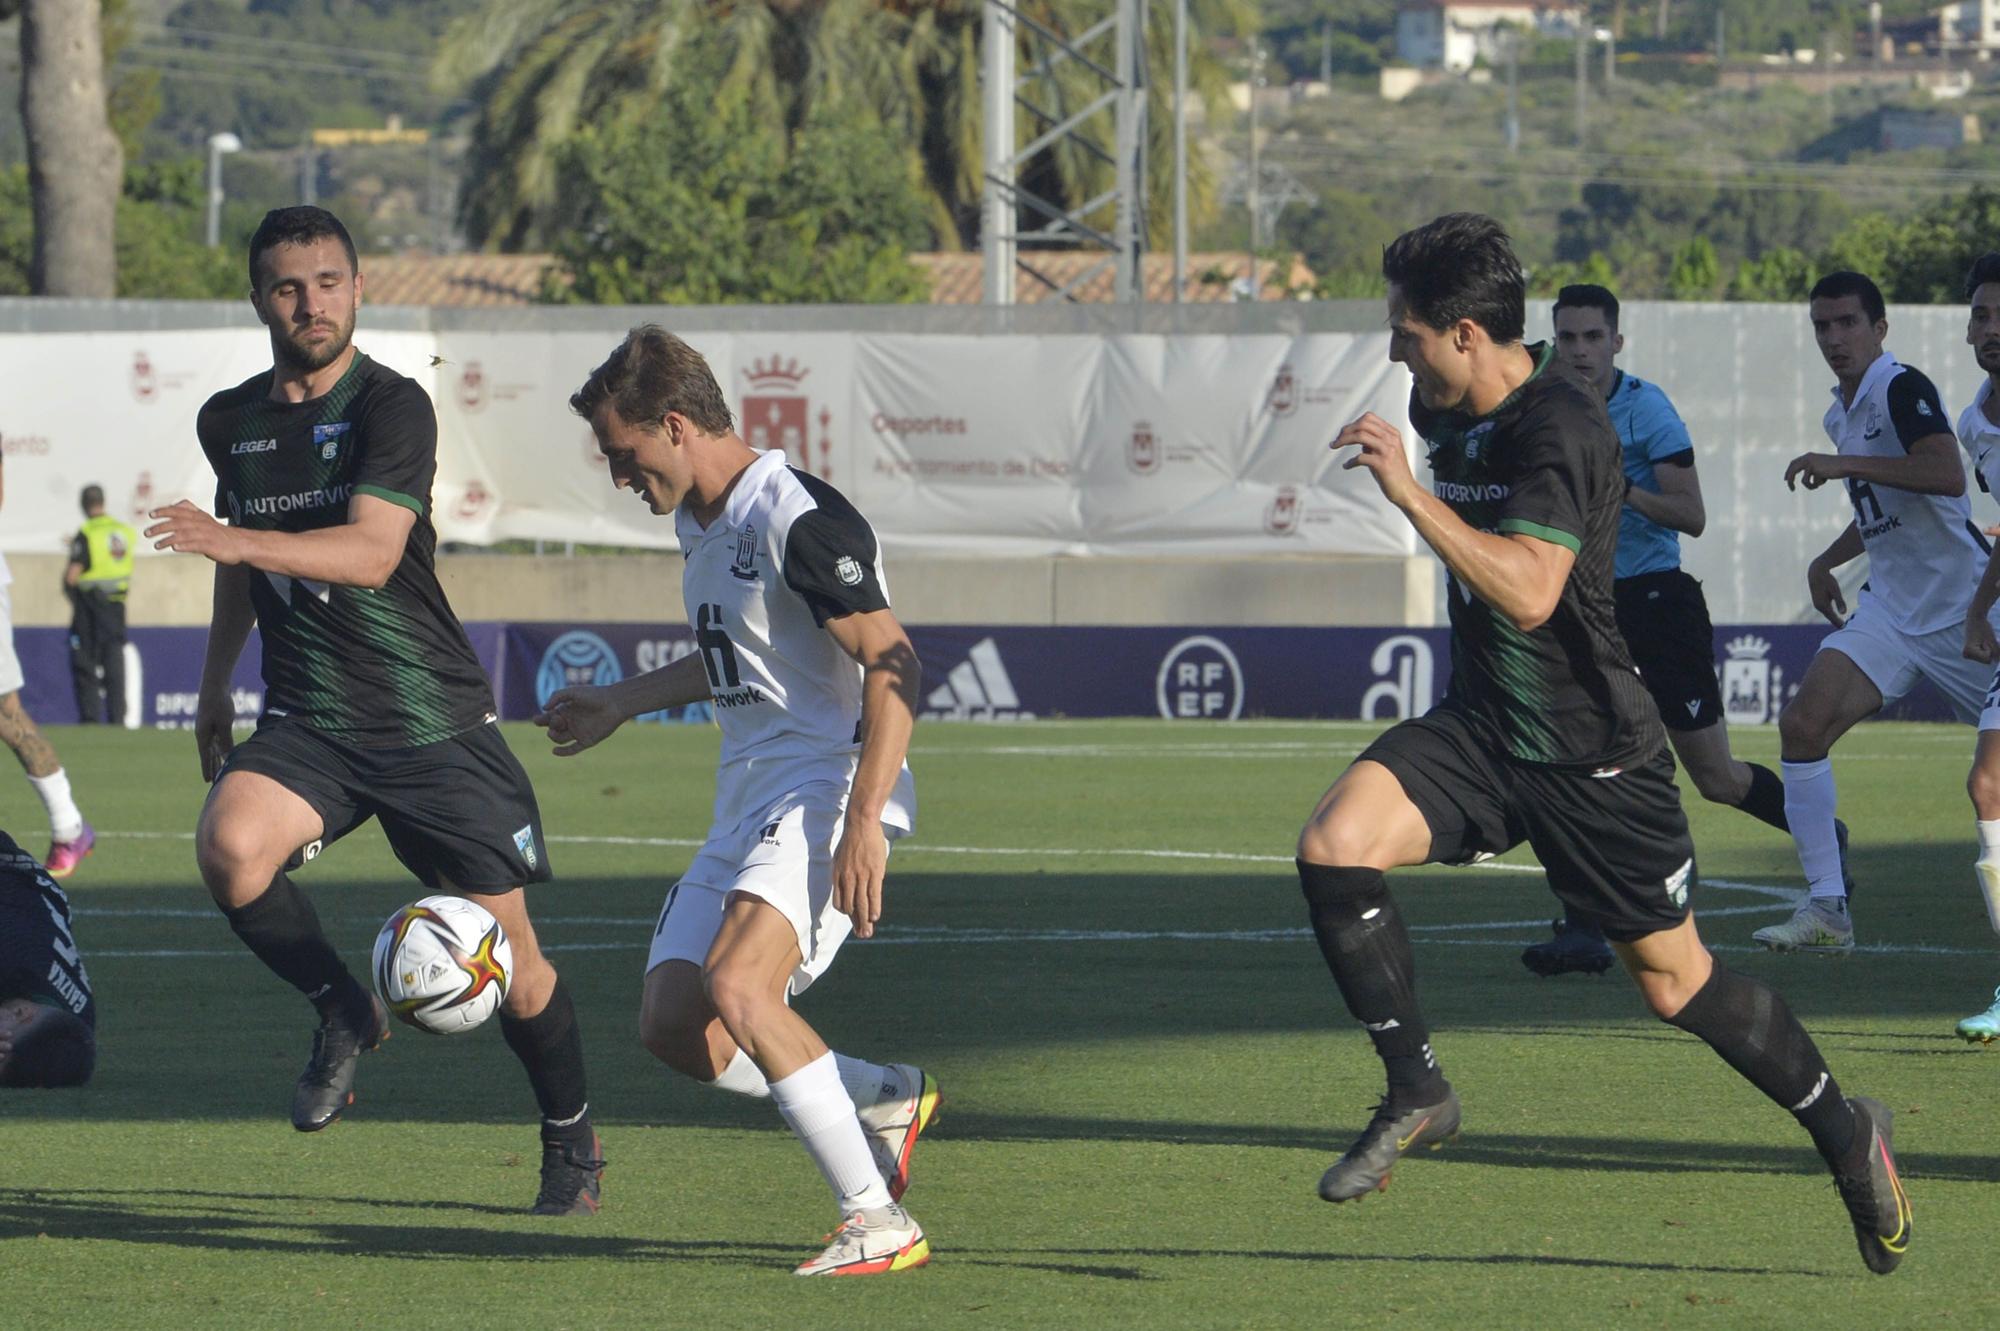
1894, 661
782, 855
11, 678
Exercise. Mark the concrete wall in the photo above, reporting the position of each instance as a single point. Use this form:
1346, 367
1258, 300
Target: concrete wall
1293, 590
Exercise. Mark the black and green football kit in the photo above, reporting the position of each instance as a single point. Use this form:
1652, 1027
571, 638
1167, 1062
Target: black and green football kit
375, 704
1546, 735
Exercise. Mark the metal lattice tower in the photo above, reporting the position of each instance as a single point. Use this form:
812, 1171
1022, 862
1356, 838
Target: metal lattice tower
1016, 222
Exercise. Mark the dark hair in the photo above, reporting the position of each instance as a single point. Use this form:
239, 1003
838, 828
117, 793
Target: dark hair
1835, 285
1588, 296
1460, 266
652, 373
57, 1048
300, 225
92, 497
1986, 268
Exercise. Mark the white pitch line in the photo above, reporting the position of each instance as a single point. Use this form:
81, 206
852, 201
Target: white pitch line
906, 849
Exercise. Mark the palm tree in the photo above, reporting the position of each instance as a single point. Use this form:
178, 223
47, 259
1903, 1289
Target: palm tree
541, 69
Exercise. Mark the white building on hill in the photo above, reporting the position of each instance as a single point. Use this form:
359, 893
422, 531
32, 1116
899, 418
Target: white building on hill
1970, 25
1452, 34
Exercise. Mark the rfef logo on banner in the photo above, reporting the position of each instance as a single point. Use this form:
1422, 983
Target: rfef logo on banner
145, 386
1406, 662
1200, 679
777, 414
576, 659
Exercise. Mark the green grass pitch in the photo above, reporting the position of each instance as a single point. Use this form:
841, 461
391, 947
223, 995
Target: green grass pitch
1096, 944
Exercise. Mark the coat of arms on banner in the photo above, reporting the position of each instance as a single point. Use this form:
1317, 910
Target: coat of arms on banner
1142, 454
777, 414
473, 502
1282, 517
145, 386
1750, 682
472, 386
1284, 394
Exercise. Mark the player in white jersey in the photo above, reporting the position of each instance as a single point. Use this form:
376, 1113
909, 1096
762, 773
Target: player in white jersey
814, 684
70, 837
1979, 435
1899, 461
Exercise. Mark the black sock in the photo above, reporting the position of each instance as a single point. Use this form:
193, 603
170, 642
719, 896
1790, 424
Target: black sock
1749, 1024
550, 1046
282, 929
1584, 926
1765, 800
1362, 937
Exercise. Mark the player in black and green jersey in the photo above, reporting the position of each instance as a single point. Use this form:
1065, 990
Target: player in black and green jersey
1545, 735
375, 705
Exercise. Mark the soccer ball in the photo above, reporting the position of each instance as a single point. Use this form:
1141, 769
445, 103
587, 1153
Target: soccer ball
443, 964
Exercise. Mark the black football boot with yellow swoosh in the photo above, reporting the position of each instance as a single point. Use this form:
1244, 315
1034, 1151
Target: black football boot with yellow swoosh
1390, 1135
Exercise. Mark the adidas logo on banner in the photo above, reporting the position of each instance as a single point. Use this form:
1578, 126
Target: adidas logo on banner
977, 689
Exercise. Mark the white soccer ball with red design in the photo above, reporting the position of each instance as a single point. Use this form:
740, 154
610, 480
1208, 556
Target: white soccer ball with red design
443, 964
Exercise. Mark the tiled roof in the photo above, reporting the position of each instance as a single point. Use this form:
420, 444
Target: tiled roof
452, 279
956, 279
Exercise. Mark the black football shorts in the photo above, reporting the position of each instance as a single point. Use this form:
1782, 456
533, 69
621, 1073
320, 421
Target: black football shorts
1615, 842
458, 813
1664, 619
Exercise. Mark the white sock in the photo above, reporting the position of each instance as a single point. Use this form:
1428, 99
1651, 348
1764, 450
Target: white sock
869, 1084
820, 1112
1987, 869
1809, 803
742, 1077
65, 819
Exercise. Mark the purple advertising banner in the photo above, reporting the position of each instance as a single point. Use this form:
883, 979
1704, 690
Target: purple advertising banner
987, 673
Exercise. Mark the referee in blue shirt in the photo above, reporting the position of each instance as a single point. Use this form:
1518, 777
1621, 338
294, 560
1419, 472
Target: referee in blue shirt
1661, 611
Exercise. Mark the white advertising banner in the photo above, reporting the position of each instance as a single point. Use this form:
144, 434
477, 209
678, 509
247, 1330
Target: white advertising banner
1003, 444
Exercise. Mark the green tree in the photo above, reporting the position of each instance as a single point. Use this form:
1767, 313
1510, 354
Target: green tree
541, 70
1696, 273
1783, 275
704, 205
1596, 270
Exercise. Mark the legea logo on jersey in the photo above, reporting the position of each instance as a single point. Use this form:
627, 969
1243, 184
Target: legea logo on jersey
977, 689
1200, 679
777, 414
576, 659
1405, 660
1751, 682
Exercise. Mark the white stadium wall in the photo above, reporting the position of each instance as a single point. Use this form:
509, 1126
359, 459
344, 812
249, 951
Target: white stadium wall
1055, 443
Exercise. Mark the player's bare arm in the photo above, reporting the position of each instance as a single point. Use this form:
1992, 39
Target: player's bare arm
229, 625
361, 552
891, 675
1520, 576
1820, 582
580, 717
1979, 640
1676, 504
1931, 468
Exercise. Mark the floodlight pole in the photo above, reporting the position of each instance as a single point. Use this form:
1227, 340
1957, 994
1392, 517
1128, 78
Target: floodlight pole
1066, 115
997, 220
1180, 149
